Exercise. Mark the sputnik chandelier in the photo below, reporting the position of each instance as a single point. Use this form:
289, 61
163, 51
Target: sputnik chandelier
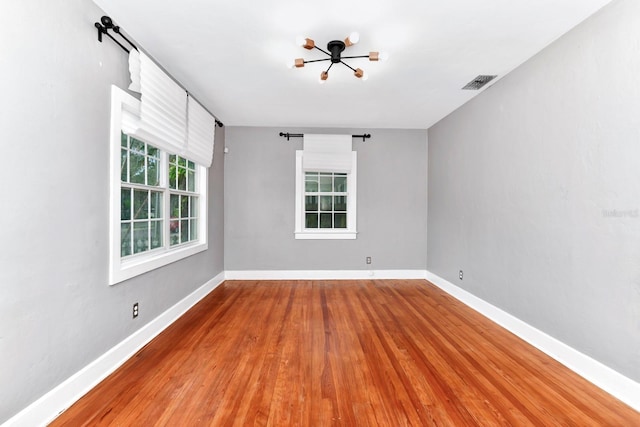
334, 53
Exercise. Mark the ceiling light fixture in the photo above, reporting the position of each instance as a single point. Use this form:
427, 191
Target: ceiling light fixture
334, 53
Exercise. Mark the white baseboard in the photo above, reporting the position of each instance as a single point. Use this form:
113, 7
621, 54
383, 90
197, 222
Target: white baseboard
323, 274
601, 375
49, 406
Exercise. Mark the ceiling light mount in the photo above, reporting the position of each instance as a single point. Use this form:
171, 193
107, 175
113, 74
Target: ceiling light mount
334, 54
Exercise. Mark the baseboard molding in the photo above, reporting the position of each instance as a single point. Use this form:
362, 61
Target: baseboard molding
323, 274
49, 406
601, 375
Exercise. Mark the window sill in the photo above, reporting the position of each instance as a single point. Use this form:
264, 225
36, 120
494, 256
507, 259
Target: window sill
326, 235
136, 266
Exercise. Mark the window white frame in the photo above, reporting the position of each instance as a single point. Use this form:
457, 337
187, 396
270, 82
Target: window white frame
121, 269
325, 233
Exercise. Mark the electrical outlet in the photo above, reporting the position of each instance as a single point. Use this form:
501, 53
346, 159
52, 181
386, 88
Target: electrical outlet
368, 260
460, 274
135, 310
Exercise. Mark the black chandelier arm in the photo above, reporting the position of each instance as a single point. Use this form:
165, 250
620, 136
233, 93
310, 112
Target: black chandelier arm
329, 68
347, 65
322, 50
317, 60
357, 56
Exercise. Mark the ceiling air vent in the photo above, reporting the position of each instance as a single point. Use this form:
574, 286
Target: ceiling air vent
478, 82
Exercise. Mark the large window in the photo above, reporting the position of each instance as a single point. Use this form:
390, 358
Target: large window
325, 202
158, 201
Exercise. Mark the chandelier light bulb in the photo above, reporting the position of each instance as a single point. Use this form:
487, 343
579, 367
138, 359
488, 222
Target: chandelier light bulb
301, 41
353, 38
383, 56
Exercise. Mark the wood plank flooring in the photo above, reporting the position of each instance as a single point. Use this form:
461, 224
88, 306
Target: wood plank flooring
341, 353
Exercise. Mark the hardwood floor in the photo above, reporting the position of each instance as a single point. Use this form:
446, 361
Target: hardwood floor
341, 353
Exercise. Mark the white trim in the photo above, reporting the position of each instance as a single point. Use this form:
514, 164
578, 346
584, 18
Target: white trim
49, 406
348, 233
601, 375
123, 269
323, 274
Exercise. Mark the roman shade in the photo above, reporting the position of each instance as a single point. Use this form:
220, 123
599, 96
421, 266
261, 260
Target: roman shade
168, 118
200, 133
327, 153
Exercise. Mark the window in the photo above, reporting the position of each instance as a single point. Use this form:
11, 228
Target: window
158, 200
325, 202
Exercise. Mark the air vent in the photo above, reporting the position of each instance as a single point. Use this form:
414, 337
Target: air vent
478, 82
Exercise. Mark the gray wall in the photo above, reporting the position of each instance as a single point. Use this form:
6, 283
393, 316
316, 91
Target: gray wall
57, 312
524, 181
259, 203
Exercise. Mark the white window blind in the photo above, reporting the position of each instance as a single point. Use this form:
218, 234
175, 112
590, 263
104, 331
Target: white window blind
200, 133
327, 153
168, 118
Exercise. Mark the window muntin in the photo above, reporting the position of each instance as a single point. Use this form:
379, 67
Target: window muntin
325, 200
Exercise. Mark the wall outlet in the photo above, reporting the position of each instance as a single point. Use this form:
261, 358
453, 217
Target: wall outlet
368, 260
460, 274
135, 310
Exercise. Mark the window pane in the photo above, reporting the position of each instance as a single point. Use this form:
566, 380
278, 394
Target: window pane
156, 204
340, 203
194, 207
184, 230
153, 172
137, 146
325, 220
182, 161
191, 180
124, 140
340, 183
124, 166
136, 166
326, 182
125, 204
184, 206
311, 220
175, 206
340, 220
311, 182
173, 176
153, 151
311, 203
140, 237
156, 234
174, 232
140, 204
191, 165
193, 229
326, 203
125, 239
172, 158
182, 178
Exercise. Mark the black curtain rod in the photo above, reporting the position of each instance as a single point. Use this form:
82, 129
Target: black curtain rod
300, 135
107, 24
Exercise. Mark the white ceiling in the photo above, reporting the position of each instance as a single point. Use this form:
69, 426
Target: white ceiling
232, 55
